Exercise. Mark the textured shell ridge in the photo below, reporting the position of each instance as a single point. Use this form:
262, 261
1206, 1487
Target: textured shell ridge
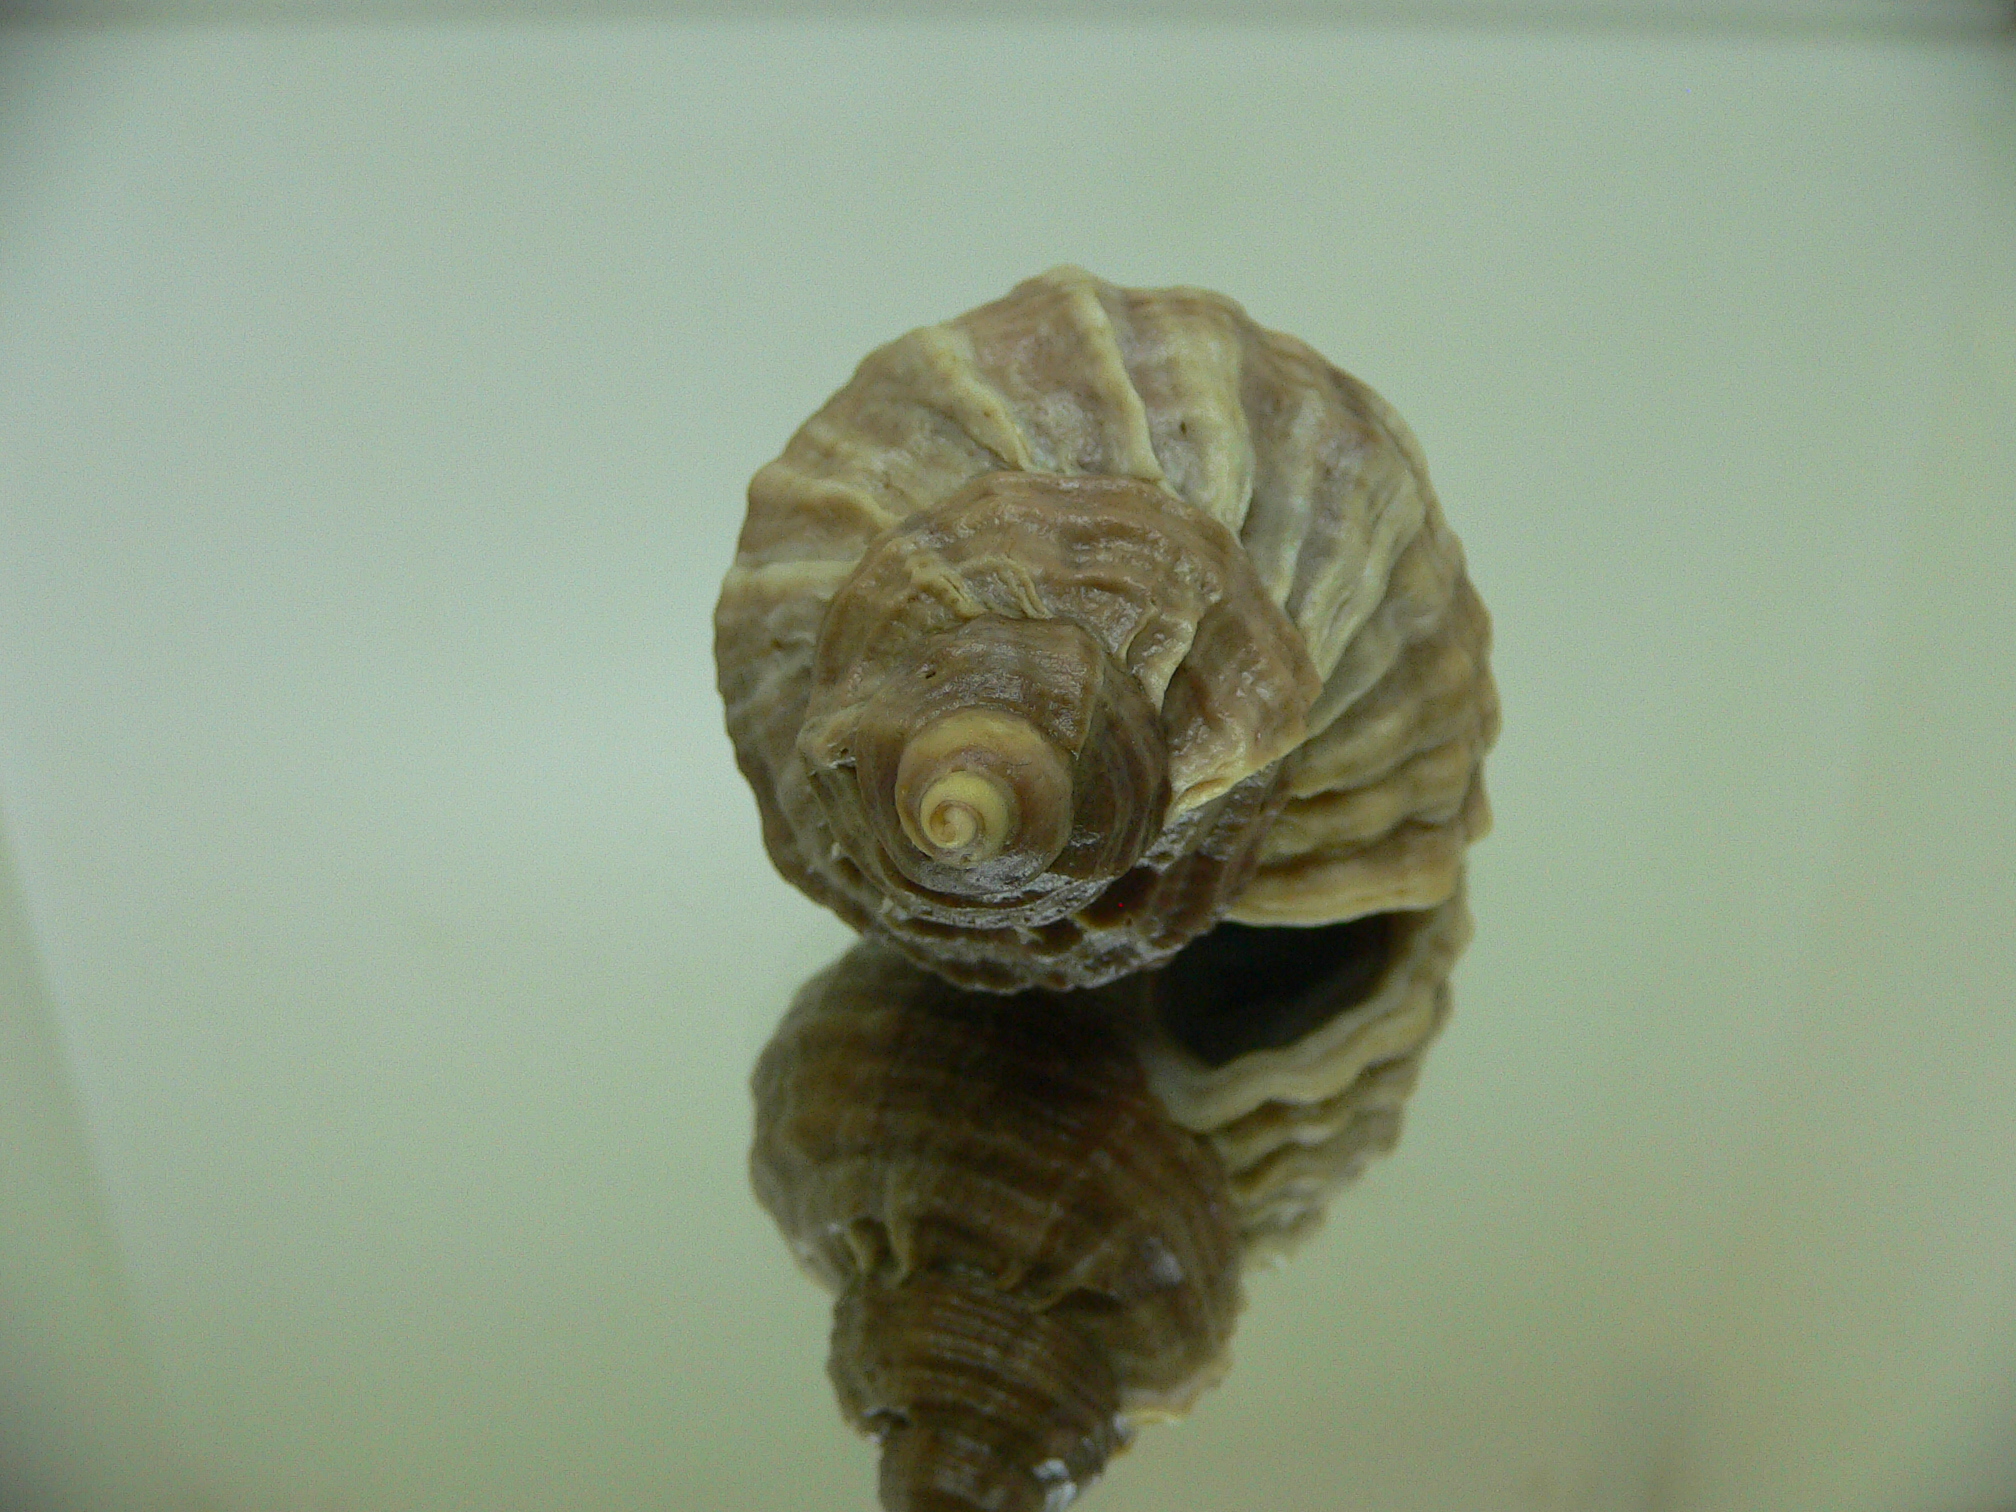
1049, 349
1186, 374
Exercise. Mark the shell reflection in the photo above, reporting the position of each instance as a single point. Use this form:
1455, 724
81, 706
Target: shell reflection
1034, 1210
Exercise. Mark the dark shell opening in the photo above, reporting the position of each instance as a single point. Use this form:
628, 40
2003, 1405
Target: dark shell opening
1244, 987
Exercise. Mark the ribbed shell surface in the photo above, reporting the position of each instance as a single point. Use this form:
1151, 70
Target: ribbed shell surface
1327, 495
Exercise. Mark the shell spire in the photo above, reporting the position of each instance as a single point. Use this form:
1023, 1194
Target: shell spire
1074, 625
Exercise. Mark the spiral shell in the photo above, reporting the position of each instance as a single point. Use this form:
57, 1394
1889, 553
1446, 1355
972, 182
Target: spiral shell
1035, 1210
1092, 617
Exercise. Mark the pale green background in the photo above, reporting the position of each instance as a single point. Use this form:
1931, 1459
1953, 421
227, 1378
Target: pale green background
385, 936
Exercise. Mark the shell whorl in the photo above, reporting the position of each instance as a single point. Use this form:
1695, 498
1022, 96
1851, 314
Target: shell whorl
1267, 663
1001, 773
973, 783
1021, 651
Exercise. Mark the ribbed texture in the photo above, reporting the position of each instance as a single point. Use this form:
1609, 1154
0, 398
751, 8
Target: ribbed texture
1249, 532
974, 1392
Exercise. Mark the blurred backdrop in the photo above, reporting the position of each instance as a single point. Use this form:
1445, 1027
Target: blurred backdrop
385, 936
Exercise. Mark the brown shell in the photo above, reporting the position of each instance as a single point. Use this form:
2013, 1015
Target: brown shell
1034, 1209
1028, 1254
1196, 581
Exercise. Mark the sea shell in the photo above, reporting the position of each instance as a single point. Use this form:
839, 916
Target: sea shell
1092, 617
1035, 1210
